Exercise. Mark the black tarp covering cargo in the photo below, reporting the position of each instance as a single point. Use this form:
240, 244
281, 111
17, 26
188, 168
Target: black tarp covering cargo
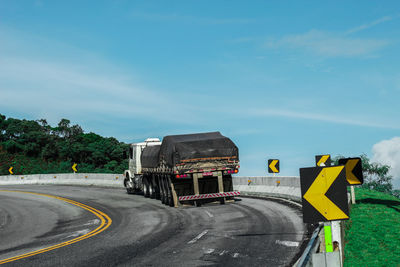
150, 156
176, 149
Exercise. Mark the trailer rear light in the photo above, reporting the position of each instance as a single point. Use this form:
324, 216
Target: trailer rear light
231, 171
207, 174
182, 176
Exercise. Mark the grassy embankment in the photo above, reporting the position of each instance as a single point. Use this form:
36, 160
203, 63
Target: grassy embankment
373, 231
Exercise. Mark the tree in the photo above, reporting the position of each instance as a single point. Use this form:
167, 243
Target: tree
376, 175
36, 147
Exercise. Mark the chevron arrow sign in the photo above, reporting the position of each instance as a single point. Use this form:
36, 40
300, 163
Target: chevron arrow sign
74, 167
324, 194
273, 165
323, 160
354, 174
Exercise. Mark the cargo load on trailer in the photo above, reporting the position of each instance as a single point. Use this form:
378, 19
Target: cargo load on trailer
190, 167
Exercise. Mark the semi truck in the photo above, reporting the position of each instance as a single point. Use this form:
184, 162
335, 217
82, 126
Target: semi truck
183, 169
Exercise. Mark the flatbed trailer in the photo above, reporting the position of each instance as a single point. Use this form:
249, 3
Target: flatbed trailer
184, 169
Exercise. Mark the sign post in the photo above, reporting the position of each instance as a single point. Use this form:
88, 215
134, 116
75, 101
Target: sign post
354, 174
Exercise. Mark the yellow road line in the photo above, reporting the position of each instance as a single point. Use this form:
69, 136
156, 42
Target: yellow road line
104, 218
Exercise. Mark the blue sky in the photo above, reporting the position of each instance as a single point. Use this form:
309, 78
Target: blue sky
282, 79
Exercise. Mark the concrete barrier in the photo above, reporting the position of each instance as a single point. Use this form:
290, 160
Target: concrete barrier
100, 179
284, 187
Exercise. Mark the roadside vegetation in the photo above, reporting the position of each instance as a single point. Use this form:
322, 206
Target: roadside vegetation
372, 233
32, 147
376, 176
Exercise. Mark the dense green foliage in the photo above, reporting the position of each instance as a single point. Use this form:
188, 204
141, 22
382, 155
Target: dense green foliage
36, 147
372, 233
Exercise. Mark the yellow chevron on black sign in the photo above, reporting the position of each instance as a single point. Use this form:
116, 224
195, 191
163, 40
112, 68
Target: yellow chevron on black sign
323, 160
324, 194
354, 174
273, 165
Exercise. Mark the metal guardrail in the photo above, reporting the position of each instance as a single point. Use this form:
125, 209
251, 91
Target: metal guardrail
312, 246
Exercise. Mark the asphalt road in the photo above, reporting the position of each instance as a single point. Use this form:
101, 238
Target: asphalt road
117, 229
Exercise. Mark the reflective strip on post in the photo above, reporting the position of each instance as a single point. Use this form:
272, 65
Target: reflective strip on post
328, 238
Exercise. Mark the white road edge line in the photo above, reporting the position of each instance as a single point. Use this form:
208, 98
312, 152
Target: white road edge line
198, 237
288, 243
209, 213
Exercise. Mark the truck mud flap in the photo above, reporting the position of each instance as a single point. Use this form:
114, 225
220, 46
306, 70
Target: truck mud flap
212, 195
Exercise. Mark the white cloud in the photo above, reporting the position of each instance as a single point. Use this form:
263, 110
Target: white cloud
329, 44
388, 152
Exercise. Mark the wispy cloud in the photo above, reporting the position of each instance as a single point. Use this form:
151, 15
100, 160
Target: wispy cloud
329, 44
66, 90
370, 24
73, 83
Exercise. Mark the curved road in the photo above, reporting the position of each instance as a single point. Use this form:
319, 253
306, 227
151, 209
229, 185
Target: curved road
106, 227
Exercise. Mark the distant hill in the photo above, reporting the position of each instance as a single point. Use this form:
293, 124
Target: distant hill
31, 146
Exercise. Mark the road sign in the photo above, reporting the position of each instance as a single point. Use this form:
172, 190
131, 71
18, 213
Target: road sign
354, 174
10, 170
74, 167
324, 194
273, 165
323, 160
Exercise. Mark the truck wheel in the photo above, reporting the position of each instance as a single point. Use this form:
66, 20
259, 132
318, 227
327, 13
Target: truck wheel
128, 189
146, 188
152, 192
170, 198
158, 188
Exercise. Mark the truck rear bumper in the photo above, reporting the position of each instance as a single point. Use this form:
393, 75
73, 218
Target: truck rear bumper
212, 195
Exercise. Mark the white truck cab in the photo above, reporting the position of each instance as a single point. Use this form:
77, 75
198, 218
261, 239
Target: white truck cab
135, 150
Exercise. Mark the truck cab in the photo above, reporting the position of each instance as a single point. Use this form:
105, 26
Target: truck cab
132, 175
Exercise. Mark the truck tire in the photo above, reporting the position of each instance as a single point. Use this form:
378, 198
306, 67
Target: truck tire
146, 188
128, 190
170, 198
152, 192
162, 189
158, 188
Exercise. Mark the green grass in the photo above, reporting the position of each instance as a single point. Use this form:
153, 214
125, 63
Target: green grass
373, 231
